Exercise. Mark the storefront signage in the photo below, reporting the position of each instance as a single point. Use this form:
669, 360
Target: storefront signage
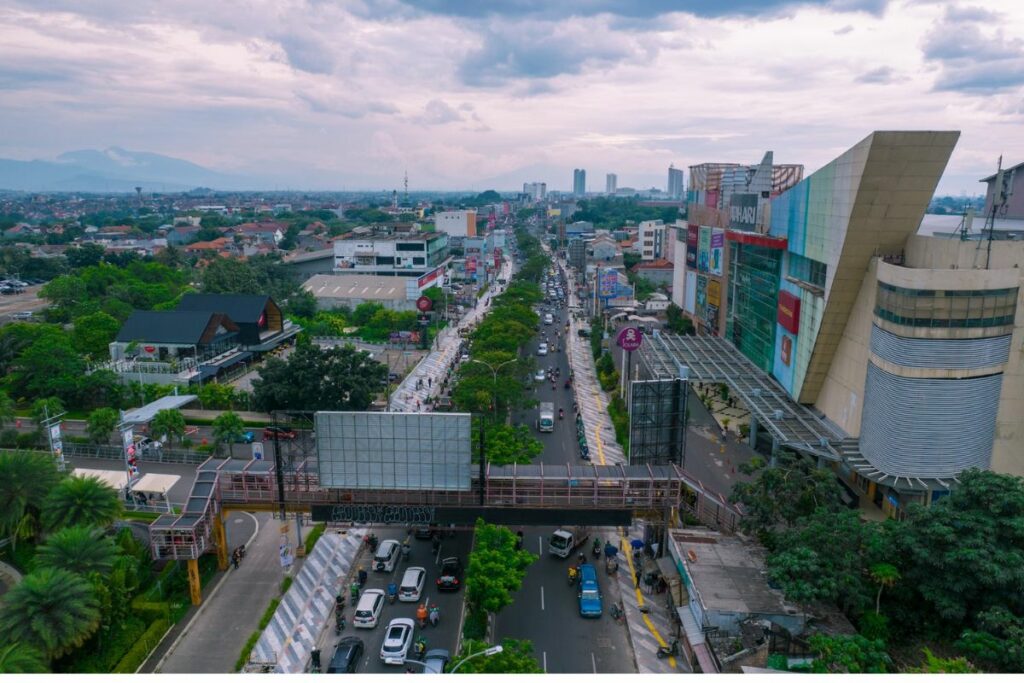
789, 312
743, 211
629, 338
716, 253
714, 293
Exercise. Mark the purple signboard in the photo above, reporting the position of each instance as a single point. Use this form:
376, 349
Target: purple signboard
629, 338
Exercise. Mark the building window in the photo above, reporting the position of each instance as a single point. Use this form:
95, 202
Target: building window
946, 308
807, 270
418, 260
411, 246
385, 260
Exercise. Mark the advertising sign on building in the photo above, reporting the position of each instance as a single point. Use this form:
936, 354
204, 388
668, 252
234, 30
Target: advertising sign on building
629, 338
702, 293
691, 246
690, 293
608, 283
717, 251
743, 211
426, 279
704, 249
714, 293
789, 312
787, 350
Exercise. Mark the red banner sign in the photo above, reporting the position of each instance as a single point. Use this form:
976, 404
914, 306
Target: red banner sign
789, 312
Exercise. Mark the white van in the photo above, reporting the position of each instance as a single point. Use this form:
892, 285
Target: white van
371, 602
548, 319
412, 584
387, 556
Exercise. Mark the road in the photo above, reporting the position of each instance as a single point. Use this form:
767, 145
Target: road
445, 635
26, 301
545, 610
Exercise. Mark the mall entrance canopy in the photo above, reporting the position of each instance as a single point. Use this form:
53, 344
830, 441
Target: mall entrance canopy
713, 359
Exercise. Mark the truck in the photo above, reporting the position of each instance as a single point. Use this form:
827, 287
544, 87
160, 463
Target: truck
546, 417
563, 542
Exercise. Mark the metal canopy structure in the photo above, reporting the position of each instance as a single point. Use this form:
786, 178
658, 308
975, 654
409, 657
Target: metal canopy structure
148, 412
713, 359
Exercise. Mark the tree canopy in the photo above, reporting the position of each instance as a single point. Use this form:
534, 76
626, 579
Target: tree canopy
516, 657
341, 378
496, 568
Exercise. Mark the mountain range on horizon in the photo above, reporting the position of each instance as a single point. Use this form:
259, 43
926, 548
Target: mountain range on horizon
114, 170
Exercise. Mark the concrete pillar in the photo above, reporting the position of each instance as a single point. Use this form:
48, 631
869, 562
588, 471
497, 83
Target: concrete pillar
220, 539
752, 437
195, 587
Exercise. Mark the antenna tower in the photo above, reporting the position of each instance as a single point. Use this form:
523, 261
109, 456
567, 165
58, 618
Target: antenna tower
405, 200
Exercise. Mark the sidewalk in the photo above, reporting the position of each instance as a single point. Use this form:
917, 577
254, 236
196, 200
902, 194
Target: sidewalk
214, 638
592, 400
653, 629
433, 368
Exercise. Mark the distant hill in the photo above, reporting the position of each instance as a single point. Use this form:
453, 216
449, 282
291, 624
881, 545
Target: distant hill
114, 170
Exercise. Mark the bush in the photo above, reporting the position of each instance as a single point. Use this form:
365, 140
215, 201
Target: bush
475, 626
286, 584
268, 613
138, 653
874, 626
247, 650
151, 611
314, 535
9, 438
28, 440
620, 421
102, 652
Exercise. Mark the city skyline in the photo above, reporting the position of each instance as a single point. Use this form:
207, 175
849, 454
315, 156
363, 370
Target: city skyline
333, 97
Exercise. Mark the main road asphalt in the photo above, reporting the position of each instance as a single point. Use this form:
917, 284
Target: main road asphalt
545, 610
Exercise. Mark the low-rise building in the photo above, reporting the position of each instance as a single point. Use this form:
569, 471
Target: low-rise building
658, 272
456, 223
348, 291
377, 252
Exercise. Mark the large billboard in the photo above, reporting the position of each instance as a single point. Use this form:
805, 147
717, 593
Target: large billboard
403, 451
743, 211
717, 251
704, 249
789, 312
608, 284
691, 246
690, 294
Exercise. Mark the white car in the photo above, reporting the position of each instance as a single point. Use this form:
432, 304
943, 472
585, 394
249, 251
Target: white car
397, 640
540, 376
542, 350
412, 584
387, 556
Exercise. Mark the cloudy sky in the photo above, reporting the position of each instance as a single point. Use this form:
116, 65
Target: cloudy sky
491, 93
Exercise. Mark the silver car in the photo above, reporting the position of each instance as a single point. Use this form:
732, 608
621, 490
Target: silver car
397, 640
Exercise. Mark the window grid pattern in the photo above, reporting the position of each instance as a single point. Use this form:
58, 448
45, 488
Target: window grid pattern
753, 301
946, 308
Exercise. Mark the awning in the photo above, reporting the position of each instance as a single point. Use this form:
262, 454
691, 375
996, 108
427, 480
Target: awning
115, 479
155, 483
147, 412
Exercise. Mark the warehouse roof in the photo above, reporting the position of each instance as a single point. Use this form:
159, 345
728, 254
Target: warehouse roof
356, 287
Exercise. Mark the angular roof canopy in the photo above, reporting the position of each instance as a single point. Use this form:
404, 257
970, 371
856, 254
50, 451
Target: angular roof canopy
241, 308
171, 327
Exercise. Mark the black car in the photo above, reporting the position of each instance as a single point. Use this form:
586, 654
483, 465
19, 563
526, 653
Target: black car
451, 574
347, 656
424, 533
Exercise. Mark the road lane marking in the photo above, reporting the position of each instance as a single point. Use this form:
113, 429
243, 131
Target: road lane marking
640, 601
540, 545
542, 597
545, 655
593, 661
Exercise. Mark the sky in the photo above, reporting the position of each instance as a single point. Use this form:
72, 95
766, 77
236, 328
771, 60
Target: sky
477, 94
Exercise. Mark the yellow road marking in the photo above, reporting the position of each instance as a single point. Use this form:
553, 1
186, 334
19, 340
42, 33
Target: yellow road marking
640, 601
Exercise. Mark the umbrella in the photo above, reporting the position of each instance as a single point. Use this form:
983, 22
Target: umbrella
610, 551
637, 544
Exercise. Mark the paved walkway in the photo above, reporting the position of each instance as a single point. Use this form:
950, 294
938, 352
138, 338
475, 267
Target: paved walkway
434, 367
651, 629
592, 400
214, 638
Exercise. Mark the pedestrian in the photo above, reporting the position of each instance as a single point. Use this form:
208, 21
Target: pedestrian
362, 576
234, 558
430, 381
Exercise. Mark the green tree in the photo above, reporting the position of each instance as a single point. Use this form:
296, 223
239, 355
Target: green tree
93, 333
228, 428
516, 657
216, 396
884, 575
779, 496
997, 640
496, 568
319, 379
43, 408
51, 610
49, 366
169, 423
25, 481
302, 304
80, 501
848, 654
89, 254
7, 414
677, 322
19, 658
79, 549
511, 444
100, 423
230, 276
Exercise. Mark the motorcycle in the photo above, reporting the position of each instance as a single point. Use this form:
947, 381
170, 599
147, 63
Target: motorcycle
392, 593
339, 623
568, 384
596, 548
670, 651
561, 413
419, 648
616, 612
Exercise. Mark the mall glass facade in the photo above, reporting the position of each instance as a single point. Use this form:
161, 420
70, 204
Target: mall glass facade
753, 300
946, 308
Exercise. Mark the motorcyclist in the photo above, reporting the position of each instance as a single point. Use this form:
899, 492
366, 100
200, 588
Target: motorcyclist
561, 413
392, 591
572, 573
435, 615
421, 614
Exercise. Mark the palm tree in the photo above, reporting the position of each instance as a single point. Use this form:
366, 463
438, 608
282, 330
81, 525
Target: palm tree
25, 481
51, 610
228, 427
169, 423
886, 576
79, 549
18, 658
80, 501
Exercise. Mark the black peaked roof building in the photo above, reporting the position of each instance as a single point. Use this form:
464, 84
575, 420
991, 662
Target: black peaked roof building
257, 316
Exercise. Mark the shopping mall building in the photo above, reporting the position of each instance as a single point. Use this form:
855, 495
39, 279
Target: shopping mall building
908, 345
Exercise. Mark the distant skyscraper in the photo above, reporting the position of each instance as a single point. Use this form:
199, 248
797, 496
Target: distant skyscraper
675, 182
579, 182
611, 183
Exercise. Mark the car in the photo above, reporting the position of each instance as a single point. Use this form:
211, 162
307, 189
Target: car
245, 437
549, 319
589, 592
386, 556
346, 656
541, 375
583, 332
424, 532
367, 612
283, 433
412, 584
451, 574
397, 640
542, 350
22, 315
463, 358
435, 661
394, 377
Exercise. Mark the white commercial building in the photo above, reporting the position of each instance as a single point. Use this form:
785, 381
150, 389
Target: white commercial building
456, 223
651, 240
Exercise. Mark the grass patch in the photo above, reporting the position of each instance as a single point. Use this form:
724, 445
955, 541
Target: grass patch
268, 613
138, 652
314, 535
475, 625
247, 650
286, 584
104, 650
620, 421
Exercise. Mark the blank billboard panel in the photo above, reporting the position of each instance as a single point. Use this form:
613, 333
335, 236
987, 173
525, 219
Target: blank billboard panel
404, 451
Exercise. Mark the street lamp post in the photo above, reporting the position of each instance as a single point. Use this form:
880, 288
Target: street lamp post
494, 374
497, 649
